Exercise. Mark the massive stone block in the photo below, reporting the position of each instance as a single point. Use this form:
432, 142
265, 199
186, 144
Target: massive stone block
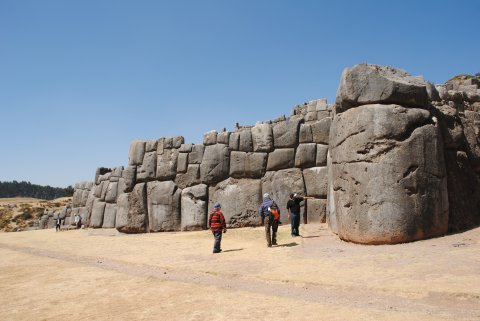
210, 138
281, 158
109, 216
262, 137
389, 176
191, 177
132, 213
241, 140
306, 155
182, 162
215, 164
96, 219
128, 179
194, 208
247, 165
305, 134
316, 181
196, 156
370, 84
280, 185
146, 171
285, 133
136, 152
151, 146
167, 164
177, 141
316, 209
321, 130
111, 194
163, 199
322, 151
331, 213
223, 137
240, 200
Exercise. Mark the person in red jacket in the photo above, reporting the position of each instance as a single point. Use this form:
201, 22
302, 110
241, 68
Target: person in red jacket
217, 226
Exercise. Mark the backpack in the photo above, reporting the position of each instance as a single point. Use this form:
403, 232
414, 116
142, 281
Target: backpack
274, 212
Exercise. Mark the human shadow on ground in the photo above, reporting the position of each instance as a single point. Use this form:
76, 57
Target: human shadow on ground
288, 244
233, 250
309, 237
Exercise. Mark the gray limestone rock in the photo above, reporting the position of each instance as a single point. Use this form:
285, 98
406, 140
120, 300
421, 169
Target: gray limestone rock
132, 213
163, 199
98, 190
247, 165
136, 152
316, 181
210, 138
241, 140
215, 163
306, 155
196, 156
191, 177
262, 137
194, 208
223, 137
285, 133
111, 195
371, 84
151, 146
182, 162
146, 171
321, 131
389, 178
280, 185
240, 200
185, 148
281, 158
177, 141
167, 164
128, 179
322, 151
96, 219
305, 135
109, 216
316, 211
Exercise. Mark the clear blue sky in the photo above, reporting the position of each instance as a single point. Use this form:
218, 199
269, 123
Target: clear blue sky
79, 80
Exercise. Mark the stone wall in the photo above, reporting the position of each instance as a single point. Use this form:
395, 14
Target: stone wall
170, 185
396, 159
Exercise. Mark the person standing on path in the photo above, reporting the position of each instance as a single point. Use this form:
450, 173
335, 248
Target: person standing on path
271, 214
58, 222
217, 226
293, 209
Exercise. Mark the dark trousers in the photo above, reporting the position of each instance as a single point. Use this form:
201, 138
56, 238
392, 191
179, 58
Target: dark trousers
217, 242
272, 224
57, 227
295, 223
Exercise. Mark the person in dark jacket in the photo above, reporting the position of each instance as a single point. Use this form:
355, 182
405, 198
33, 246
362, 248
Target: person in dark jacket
217, 226
271, 223
293, 209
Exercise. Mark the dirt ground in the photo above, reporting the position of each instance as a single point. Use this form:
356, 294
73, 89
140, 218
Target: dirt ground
105, 275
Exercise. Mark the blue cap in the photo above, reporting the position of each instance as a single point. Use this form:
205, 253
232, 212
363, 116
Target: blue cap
217, 206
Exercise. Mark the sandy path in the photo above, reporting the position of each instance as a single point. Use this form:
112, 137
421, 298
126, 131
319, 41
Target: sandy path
315, 277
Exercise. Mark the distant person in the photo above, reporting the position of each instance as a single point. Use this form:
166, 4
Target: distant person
58, 222
217, 226
77, 221
293, 209
271, 216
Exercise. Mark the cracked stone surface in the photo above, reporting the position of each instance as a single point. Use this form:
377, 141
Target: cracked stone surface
389, 178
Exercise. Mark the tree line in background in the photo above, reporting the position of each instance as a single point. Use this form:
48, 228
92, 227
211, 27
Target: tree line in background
27, 189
